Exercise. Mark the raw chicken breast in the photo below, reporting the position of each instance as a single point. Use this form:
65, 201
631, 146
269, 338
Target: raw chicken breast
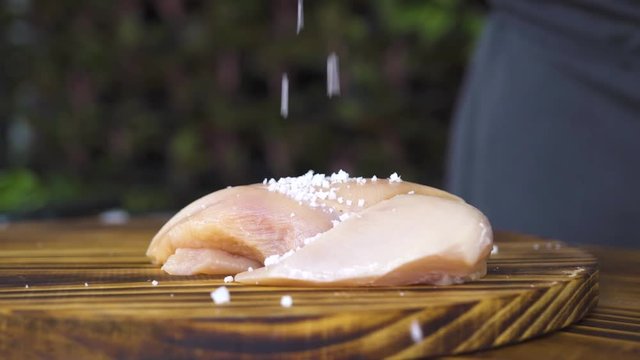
206, 261
246, 221
247, 224
407, 239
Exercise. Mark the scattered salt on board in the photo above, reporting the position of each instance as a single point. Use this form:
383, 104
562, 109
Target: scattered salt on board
286, 301
220, 295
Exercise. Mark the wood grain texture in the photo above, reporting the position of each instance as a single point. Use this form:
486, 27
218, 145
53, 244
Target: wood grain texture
533, 287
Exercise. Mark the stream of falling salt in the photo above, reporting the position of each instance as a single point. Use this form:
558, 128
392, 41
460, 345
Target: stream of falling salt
333, 75
300, 17
284, 96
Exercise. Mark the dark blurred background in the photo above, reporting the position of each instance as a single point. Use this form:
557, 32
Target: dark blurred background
145, 105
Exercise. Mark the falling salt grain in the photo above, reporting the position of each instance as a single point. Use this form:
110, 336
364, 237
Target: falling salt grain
361, 203
416, 331
494, 250
86, 284
333, 75
284, 96
154, 283
300, 17
26, 286
292, 215
286, 301
228, 279
220, 295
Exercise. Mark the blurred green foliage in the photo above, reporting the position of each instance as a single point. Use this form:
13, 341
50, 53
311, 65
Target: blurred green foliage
153, 103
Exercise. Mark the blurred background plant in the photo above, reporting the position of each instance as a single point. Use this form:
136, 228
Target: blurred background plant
148, 104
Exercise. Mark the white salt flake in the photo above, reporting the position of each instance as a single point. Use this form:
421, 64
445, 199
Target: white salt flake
154, 283
26, 286
333, 75
349, 202
286, 301
220, 295
292, 215
270, 260
416, 331
228, 279
300, 17
309, 240
250, 269
395, 178
284, 96
374, 178
86, 284
360, 202
340, 200
411, 192
494, 250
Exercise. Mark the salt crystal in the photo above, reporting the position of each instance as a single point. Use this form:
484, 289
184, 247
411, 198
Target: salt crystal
494, 250
228, 279
416, 331
264, 182
26, 286
250, 269
292, 215
286, 301
411, 192
284, 96
270, 260
349, 202
220, 295
333, 75
86, 284
300, 17
374, 178
394, 178
361, 203
309, 240
154, 283
286, 255
340, 200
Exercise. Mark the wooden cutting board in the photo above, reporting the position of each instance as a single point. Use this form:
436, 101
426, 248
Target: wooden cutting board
81, 289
